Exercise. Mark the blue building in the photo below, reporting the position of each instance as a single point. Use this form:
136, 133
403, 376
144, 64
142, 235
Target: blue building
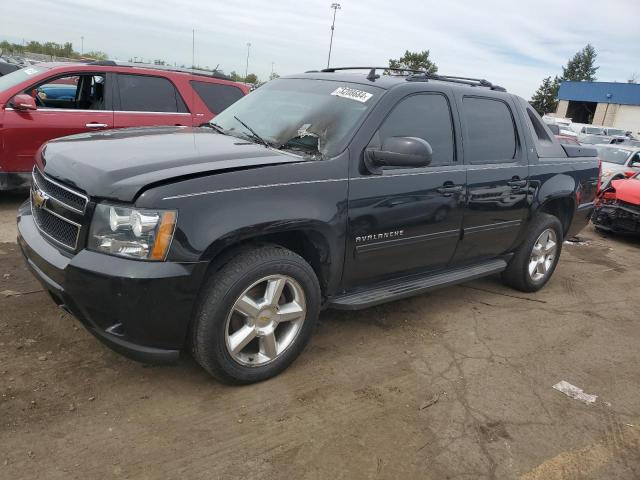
610, 104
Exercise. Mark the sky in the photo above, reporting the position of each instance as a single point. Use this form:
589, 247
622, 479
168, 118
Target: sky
513, 43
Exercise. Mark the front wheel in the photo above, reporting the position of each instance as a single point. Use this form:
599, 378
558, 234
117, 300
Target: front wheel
536, 259
256, 315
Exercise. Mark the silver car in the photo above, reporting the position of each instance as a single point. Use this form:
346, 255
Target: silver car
616, 160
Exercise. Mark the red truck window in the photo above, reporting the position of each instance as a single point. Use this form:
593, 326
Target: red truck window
145, 93
71, 92
216, 96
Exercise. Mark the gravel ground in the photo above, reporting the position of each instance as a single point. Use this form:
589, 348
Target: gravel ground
456, 384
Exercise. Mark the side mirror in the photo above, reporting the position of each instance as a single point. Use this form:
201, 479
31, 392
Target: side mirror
409, 152
555, 129
24, 102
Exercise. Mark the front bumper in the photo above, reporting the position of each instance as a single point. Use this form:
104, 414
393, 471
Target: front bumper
617, 217
139, 309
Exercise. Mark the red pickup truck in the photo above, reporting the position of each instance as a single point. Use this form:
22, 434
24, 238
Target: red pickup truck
51, 100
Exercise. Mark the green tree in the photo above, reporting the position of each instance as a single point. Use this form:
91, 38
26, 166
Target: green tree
581, 67
545, 98
96, 54
414, 61
234, 76
251, 78
273, 76
49, 48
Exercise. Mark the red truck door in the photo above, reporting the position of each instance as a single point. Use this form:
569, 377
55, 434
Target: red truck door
148, 100
68, 104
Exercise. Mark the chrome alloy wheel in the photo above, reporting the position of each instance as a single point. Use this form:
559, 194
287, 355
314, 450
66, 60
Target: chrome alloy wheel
543, 254
265, 320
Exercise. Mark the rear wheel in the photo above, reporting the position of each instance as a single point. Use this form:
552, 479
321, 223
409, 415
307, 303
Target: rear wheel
256, 315
536, 259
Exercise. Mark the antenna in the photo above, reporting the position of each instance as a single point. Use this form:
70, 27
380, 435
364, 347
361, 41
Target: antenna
335, 7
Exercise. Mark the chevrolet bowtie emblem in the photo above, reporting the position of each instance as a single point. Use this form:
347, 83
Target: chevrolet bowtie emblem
39, 198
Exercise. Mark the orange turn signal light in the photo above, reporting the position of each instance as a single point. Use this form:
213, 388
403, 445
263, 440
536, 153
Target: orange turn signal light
164, 236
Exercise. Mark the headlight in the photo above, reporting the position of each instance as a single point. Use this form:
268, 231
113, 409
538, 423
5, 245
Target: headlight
131, 232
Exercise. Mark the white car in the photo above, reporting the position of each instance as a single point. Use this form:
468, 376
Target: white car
616, 160
564, 124
615, 132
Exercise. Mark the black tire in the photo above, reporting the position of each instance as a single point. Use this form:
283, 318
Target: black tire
224, 287
517, 274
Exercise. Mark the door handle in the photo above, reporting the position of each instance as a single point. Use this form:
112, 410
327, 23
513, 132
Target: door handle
96, 125
448, 189
516, 183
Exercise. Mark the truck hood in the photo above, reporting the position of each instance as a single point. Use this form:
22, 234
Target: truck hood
118, 164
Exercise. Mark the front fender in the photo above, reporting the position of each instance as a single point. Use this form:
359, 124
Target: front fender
222, 210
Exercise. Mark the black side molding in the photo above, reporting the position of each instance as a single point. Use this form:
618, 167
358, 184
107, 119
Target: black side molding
414, 285
579, 151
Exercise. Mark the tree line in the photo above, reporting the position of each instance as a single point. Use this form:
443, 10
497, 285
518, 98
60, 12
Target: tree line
66, 50
50, 48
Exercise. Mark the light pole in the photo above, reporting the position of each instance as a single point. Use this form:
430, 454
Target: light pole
246, 70
335, 7
82, 45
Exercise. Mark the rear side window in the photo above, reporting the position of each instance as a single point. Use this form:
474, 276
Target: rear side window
491, 136
216, 96
425, 116
538, 127
142, 93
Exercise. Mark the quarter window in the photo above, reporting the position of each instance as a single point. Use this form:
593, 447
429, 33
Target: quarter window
538, 128
491, 136
216, 96
142, 93
425, 116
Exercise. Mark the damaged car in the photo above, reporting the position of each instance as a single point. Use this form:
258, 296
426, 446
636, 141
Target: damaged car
616, 160
618, 206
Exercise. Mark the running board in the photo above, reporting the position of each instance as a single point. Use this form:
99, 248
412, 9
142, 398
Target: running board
409, 286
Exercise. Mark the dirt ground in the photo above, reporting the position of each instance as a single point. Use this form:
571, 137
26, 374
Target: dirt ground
456, 384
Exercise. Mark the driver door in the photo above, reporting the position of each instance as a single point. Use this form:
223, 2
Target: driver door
57, 115
407, 219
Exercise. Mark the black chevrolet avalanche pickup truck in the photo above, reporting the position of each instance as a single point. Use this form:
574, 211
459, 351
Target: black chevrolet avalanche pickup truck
330, 189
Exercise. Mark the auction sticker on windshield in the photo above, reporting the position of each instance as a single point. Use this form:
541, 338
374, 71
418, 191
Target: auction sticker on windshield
352, 93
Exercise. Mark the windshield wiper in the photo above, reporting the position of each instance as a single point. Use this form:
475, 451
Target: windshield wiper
253, 133
216, 127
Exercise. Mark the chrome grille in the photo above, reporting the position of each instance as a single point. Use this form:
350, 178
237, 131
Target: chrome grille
64, 195
57, 210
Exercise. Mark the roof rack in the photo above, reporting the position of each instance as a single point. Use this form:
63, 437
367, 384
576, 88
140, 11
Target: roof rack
422, 76
372, 70
166, 68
